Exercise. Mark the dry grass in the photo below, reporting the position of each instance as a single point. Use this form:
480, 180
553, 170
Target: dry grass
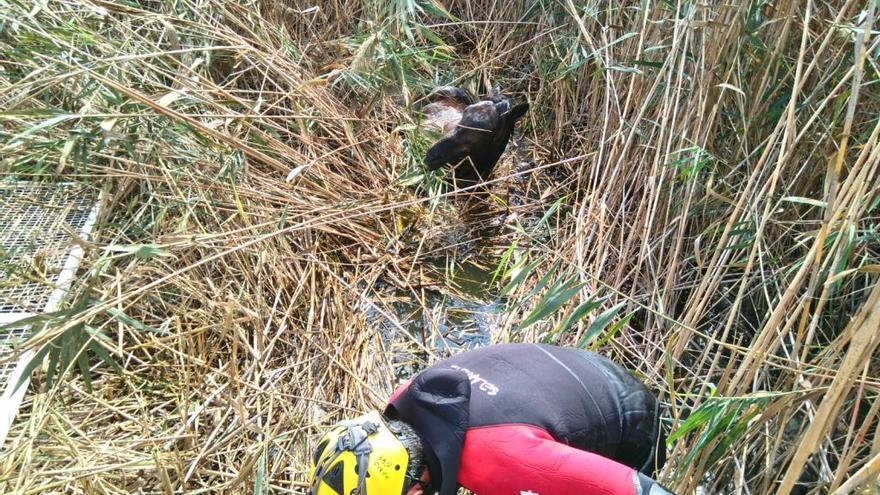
718, 173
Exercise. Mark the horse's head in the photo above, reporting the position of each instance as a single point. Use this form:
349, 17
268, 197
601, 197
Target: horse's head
474, 142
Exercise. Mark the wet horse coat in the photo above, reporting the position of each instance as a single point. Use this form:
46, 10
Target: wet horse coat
475, 134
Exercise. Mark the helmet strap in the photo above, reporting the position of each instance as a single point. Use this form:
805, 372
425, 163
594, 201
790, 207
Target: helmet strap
355, 440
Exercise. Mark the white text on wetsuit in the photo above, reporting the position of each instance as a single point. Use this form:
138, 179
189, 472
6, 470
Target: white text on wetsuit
476, 379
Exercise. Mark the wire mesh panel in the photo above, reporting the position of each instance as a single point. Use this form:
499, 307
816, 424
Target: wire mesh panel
42, 228
37, 225
8, 339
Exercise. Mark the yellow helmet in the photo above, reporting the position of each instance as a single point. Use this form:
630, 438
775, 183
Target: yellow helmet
361, 456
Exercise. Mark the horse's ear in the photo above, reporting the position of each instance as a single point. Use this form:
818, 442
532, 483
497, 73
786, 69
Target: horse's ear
448, 150
516, 112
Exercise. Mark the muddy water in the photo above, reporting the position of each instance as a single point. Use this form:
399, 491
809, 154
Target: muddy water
463, 310
461, 315
438, 320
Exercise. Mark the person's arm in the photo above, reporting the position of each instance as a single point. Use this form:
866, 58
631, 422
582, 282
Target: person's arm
525, 460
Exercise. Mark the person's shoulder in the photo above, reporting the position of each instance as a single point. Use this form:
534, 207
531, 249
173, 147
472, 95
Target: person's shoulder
441, 381
537, 349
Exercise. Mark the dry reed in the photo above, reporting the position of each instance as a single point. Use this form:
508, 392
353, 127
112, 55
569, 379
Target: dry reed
714, 170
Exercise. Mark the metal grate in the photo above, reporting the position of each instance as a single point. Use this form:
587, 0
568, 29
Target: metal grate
36, 222
39, 255
8, 339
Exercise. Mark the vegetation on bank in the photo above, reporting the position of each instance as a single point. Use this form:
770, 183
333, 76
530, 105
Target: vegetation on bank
697, 196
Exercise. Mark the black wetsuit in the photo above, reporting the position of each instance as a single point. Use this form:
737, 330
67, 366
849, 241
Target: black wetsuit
532, 419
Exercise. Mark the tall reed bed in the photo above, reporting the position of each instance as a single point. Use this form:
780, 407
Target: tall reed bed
713, 224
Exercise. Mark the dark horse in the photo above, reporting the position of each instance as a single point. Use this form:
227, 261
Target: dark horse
475, 134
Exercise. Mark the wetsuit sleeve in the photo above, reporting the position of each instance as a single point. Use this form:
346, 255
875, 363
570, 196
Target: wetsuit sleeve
525, 460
